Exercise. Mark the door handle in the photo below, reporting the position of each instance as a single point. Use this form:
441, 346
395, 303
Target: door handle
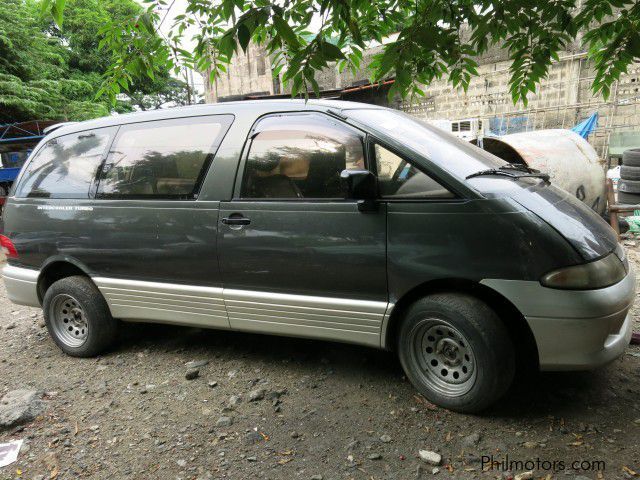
236, 221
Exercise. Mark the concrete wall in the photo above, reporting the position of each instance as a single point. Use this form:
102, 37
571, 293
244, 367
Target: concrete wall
250, 72
563, 100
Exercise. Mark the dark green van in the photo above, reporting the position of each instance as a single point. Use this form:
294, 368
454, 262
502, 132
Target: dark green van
330, 220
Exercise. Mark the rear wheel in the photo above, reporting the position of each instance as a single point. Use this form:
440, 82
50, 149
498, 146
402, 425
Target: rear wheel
629, 186
628, 198
631, 157
456, 351
78, 318
629, 173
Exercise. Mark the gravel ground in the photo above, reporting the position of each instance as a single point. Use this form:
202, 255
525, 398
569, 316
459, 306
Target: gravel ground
278, 408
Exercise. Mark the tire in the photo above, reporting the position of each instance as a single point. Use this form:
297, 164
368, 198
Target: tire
466, 340
631, 157
628, 198
629, 186
78, 318
629, 173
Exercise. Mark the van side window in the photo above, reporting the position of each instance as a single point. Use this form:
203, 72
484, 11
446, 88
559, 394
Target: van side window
161, 159
300, 156
66, 166
399, 179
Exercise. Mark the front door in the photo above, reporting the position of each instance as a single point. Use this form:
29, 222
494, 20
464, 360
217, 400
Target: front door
296, 257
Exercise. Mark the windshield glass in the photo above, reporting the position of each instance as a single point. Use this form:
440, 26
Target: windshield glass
444, 149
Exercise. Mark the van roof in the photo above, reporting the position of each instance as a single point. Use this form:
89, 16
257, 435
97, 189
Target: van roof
255, 106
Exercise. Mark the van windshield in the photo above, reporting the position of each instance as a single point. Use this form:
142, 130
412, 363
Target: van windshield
457, 156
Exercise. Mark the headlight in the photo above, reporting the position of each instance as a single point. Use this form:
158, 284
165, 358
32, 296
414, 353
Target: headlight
599, 274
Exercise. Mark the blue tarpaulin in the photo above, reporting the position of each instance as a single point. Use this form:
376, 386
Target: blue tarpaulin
585, 127
8, 174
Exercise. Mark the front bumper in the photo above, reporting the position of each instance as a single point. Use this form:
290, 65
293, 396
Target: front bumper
574, 329
21, 285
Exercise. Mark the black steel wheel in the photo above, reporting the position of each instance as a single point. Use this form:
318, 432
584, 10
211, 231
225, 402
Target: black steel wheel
78, 317
456, 351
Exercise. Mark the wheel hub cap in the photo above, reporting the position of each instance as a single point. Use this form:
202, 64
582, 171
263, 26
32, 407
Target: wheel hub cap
446, 359
68, 320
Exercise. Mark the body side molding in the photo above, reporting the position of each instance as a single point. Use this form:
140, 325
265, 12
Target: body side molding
338, 319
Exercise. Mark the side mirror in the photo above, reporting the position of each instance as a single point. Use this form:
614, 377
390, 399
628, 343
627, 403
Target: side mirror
360, 185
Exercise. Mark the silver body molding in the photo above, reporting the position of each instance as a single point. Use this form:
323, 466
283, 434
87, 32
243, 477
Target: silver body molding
21, 285
574, 329
353, 321
164, 303
338, 319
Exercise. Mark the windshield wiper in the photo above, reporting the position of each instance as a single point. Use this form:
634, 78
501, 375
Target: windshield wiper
510, 170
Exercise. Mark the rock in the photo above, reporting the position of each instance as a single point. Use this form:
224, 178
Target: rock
253, 437
257, 394
11, 326
385, 438
472, 440
192, 374
224, 422
235, 400
196, 363
374, 456
212, 384
524, 476
435, 471
252, 459
530, 444
316, 477
20, 406
295, 435
431, 458
181, 463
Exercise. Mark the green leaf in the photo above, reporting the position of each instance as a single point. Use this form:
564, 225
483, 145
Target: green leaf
285, 31
330, 51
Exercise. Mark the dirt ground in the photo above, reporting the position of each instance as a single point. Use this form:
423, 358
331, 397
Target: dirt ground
278, 408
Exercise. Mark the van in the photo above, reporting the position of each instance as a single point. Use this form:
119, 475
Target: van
327, 220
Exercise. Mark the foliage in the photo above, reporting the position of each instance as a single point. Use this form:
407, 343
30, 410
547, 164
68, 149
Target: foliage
54, 74
435, 38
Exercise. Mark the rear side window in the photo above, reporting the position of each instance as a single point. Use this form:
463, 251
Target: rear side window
300, 156
162, 159
66, 166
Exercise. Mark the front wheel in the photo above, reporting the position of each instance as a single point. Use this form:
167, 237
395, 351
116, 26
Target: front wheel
456, 351
78, 317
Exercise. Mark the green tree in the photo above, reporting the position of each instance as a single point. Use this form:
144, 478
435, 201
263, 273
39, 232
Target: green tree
54, 74
435, 38
35, 82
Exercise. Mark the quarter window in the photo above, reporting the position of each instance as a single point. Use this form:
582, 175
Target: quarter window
161, 159
397, 178
66, 166
300, 156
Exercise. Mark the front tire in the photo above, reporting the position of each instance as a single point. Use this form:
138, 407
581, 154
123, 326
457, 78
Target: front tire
455, 350
78, 317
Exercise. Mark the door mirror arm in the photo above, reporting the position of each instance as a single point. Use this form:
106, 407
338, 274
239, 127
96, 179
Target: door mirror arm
361, 185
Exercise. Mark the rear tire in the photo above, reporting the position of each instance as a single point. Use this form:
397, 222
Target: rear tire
78, 317
629, 173
629, 186
628, 198
456, 352
631, 157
